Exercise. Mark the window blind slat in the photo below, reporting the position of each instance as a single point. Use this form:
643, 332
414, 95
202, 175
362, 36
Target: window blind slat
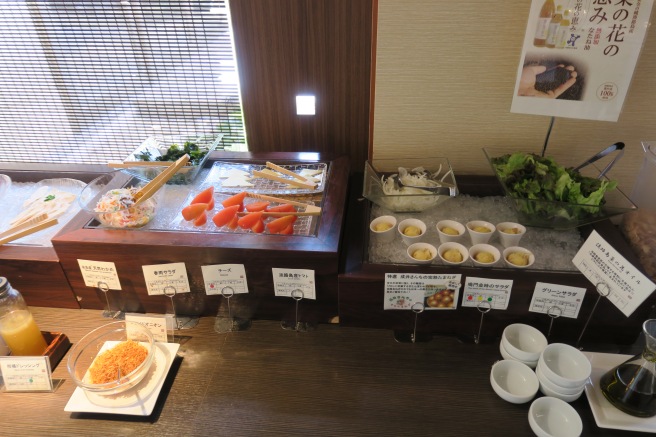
89, 81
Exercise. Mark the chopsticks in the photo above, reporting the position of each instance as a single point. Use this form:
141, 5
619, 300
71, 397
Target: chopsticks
151, 187
283, 170
309, 209
23, 225
27, 229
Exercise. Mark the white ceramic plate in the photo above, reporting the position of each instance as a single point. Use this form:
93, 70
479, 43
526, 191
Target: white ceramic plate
605, 414
138, 401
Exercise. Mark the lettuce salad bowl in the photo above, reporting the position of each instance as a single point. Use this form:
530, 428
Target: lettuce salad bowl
546, 194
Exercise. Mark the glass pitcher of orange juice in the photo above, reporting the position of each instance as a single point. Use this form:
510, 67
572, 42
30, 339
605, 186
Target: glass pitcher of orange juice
17, 326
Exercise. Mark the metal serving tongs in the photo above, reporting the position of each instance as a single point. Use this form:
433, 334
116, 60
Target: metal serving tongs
617, 146
151, 187
439, 187
297, 180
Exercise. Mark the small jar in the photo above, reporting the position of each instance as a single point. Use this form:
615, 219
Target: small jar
17, 326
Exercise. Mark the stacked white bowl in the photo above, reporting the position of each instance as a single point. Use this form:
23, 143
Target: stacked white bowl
522, 343
562, 371
513, 381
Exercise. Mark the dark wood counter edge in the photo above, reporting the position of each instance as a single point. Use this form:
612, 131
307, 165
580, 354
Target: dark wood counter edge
325, 240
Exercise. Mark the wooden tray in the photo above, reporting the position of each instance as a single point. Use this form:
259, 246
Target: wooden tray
58, 345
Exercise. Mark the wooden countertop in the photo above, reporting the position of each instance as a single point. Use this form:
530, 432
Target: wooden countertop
267, 381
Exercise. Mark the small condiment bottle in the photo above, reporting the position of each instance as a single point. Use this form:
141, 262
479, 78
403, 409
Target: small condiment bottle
17, 326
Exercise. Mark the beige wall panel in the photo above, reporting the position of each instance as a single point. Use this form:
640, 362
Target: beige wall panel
445, 75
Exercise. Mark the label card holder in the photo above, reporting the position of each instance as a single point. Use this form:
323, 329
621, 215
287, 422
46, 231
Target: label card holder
160, 277
434, 292
156, 324
605, 266
496, 292
26, 374
547, 297
94, 272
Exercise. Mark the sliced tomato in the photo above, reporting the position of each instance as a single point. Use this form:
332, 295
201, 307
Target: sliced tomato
258, 228
257, 206
234, 222
249, 220
285, 207
204, 196
201, 220
224, 216
281, 223
234, 200
289, 230
192, 212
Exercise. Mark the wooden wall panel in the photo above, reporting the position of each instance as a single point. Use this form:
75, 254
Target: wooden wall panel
445, 75
290, 47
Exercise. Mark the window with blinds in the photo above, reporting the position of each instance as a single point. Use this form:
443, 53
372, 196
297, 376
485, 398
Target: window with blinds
90, 81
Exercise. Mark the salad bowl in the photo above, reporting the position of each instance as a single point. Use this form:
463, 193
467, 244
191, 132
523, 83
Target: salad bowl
409, 184
546, 194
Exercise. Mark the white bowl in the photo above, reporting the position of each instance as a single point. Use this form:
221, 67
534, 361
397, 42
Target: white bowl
565, 365
477, 248
514, 249
408, 240
513, 381
387, 235
448, 238
480, 237
421, 246
523, 341
510, 239
553, 387
452, 245
552, 417
545, 390
506, 355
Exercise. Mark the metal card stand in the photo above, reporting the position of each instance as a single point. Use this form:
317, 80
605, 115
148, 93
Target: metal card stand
184, 322
108, 312
553, 312
483, 307
604, 291
297, 325
230, 323
413, 336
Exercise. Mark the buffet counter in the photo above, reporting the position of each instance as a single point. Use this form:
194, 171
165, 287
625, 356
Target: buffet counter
268, 381
362, 282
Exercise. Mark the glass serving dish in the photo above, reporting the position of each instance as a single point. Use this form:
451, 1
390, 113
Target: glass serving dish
156, 146
5, 183
109, 199
88, 352
379, 188
562, 215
